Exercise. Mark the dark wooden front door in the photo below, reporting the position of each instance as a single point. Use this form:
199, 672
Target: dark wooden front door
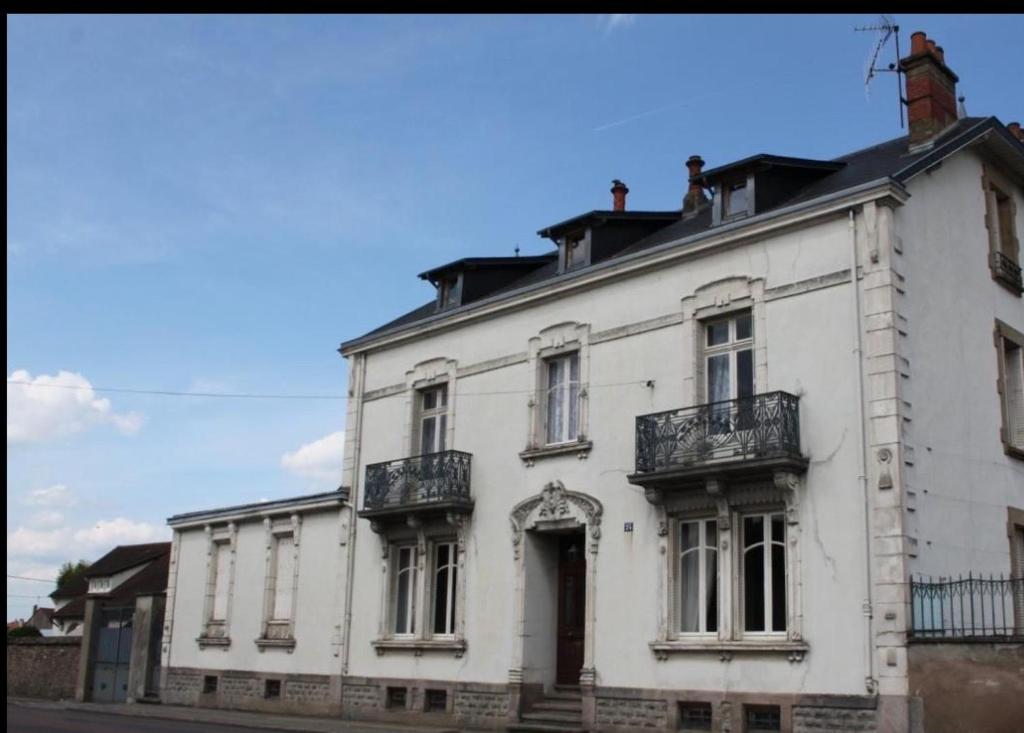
572, 601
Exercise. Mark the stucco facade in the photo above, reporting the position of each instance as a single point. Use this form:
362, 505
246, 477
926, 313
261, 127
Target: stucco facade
524, 485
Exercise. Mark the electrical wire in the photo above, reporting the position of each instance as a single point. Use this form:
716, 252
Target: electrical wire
38, 580
246, 395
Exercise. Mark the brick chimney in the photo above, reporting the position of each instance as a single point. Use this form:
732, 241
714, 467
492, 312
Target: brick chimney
1014, 128
694, 199
931, 90
619, 192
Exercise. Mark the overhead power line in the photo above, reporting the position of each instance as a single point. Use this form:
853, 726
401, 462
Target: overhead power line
37, 579
174, 393
247, 395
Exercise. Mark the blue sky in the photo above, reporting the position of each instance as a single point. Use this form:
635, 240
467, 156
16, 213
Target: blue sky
214, 203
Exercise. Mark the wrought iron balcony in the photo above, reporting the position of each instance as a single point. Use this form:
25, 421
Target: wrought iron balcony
733, 436
429, 482
1005, 269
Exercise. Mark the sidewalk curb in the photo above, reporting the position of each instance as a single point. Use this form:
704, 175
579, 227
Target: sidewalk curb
234, 718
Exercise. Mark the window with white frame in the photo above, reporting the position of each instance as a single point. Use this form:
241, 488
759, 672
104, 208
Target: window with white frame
433, 418
763, 572
445, 584
404, 594
734, 199
747, 554
729, 357
220, 568
562, 398
697, 576
1010, 343
575, 250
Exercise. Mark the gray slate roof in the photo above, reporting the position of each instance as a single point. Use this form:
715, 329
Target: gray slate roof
890, 159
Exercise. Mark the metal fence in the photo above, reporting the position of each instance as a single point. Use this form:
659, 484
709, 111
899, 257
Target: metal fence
966, 608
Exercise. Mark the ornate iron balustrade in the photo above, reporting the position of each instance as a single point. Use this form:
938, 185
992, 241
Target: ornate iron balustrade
761, 426
416, 481
967, 608
1008, 270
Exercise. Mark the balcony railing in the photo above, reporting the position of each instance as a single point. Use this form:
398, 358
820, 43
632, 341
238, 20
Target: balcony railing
967, 608
420, 481
762, 426
1007, 270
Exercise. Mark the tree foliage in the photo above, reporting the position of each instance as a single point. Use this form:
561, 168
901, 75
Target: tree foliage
23, 631
69, 572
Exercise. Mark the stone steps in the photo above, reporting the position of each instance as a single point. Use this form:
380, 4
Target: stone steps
559, 711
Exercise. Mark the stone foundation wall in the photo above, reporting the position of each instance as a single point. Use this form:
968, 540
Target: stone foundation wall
45, 667
471, 706
834, 720
628, 713
242, 690
967, 687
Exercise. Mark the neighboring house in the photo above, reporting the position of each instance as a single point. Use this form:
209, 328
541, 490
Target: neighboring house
121, 620
69, 606
41, 619
254, 600
685, 472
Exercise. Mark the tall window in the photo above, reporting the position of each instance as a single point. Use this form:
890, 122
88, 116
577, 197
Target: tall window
221, 576
729, 372
697, 587
433, 418
562, 398
405, 591
763, 569
284, 577
445, 579
1004, 246
1011, 371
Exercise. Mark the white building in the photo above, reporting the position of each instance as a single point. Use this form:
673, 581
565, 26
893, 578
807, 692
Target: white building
679, 473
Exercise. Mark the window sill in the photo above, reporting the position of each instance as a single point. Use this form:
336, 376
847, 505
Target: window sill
793, 650
264, 644
580, 447
418, 646
222, 641
1013, 451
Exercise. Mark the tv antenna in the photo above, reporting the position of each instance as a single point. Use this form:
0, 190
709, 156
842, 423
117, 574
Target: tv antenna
884, 28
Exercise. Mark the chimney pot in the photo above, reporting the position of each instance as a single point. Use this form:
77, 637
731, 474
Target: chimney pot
694, 198
940, 54
619, 192
918, 42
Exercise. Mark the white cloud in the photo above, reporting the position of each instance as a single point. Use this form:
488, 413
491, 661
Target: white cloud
47, 519
614, 21
45, 407
57, 495
87, 542
320, 460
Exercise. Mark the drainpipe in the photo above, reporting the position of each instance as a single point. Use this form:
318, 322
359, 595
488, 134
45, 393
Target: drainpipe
862, 478
358, 363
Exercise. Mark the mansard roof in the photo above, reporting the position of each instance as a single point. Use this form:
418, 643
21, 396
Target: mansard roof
891, 160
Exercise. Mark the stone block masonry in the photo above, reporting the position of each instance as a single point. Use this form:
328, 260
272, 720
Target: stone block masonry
480, 705
834, 720
45, 667
633, 714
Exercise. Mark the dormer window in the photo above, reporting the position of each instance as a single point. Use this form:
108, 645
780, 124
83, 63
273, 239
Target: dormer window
734, 199
449, 292
575, 251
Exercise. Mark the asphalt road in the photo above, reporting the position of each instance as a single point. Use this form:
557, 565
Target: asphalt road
36, 720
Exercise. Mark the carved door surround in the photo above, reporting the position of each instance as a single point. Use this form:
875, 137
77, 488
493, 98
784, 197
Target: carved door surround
555, 509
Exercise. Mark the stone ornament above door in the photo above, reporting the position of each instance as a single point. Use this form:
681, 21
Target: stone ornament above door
555, 508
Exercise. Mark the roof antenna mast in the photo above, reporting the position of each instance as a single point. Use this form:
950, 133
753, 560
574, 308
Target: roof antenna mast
885, 28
